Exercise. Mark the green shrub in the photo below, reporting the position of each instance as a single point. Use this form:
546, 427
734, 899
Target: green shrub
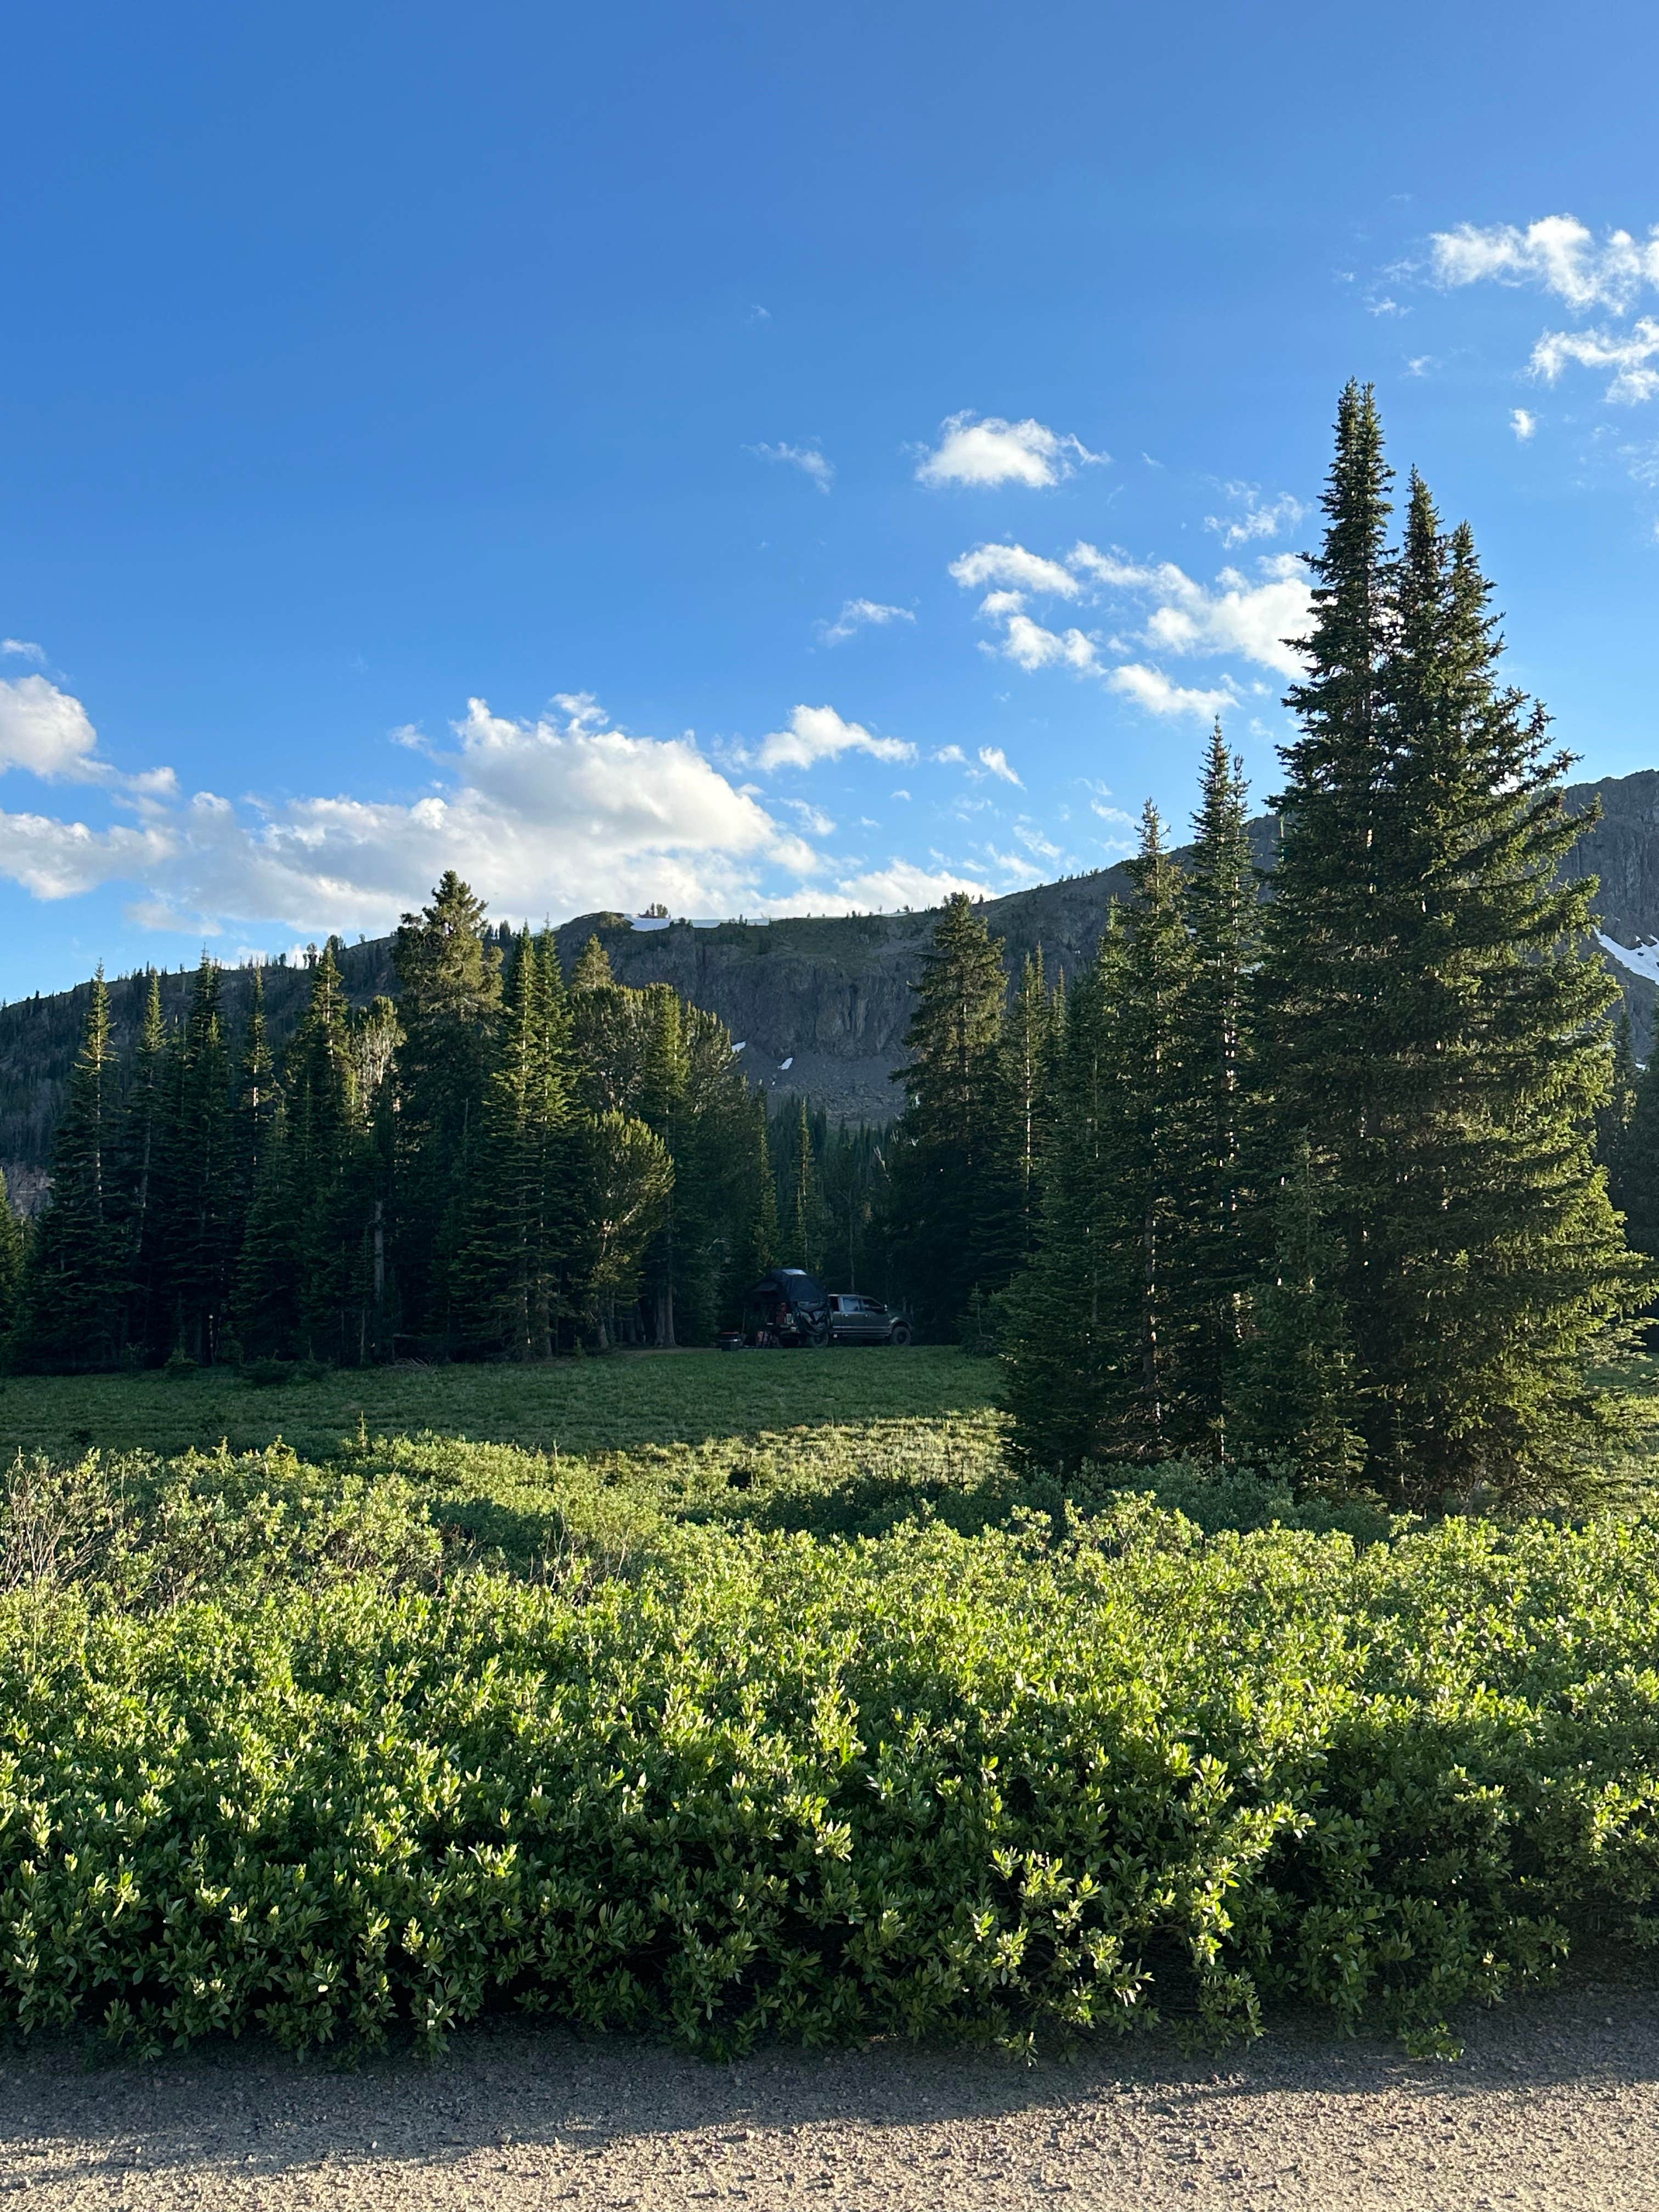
984, 1786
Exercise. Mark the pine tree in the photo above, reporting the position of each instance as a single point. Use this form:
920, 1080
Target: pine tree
265, 1305
1613, 1122
1027, 1071
627, 1176
807, 1208
1220, 1235
73, 1298
201, 1210
592, 968
758, 1243
1170, 1295
1070, 1365
140, 1179
508, 1271
1435, 1025
1296, 1396
1322, 972
950, 1148
13, 1252
329, 1164
448, 973
713, 1197
1636, 1190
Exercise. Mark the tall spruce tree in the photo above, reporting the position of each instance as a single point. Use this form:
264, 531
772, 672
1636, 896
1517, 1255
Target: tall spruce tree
448, 969
13, 1251
951, 1149
1070, 1363
1222, 1235
1027, 1073
73, 1294
141, 1155
516, 1248
1613, 1122
203, 1205
1161, 1410
1296, 1396
1435, 1024
256, 1093
1636, 1190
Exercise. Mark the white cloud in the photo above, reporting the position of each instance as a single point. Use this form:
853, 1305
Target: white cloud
1523, 423
817, 734
1031, 646
57, 860
1152, 689
544, 816
855, 614
994, 762
1237, 616
997, 607
1011, 566
1630, 354
900, 883
951, 756
1034, 843
989, 450
47, 731
1256, 520
812, 819
807, 458
1558, 253
22, 648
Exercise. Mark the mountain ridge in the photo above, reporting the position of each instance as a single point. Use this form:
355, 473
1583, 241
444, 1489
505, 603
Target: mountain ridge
819, 1004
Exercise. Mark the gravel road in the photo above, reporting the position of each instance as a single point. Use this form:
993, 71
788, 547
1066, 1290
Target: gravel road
1556, 2104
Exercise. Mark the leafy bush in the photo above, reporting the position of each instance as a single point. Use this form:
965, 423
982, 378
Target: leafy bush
988, 1787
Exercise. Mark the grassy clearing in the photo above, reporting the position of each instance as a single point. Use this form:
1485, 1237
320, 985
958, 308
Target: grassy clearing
583, 1406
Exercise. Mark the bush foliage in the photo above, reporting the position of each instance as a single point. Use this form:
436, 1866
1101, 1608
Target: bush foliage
329, 1754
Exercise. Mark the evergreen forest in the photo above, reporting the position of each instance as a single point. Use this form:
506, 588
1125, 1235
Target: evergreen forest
496, 1163
1342, 1167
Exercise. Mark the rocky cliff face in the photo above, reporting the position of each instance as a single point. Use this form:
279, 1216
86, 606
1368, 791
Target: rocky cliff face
820, 1007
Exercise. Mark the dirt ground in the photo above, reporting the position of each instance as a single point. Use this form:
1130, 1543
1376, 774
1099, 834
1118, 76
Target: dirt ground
1556, 2104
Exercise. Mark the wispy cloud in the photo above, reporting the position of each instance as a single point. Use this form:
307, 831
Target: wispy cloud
22, 648
1563, 257
819, 733
1523, 423
1159, 694
985, 450
1629, 354
855, 615
1250, 617
1012, 565
994, 762
1558, 253
1256, 517
807, 458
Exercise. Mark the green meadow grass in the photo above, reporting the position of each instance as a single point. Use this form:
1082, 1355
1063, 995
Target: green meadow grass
582, 1406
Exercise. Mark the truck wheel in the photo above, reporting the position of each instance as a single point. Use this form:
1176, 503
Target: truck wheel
901, 1332
818, 1336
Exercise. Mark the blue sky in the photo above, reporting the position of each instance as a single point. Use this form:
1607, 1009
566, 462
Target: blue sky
843, 453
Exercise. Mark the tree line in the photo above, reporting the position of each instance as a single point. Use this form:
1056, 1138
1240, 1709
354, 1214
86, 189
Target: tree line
1312, 1176
494, 1163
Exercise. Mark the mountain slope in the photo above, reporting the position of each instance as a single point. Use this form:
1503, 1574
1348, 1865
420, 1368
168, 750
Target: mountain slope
819, 1005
